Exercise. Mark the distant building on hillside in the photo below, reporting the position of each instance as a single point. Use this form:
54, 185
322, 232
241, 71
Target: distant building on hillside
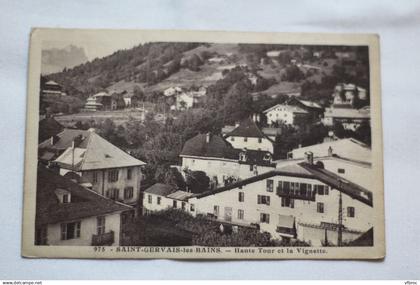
99, 101
346, 95
312, 108
69, 214
102, 167
287, 114
247, 135
52, 88
172, 91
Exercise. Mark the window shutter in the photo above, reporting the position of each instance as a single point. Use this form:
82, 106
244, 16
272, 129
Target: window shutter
268, 200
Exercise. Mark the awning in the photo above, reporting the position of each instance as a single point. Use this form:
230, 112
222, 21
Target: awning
286, 226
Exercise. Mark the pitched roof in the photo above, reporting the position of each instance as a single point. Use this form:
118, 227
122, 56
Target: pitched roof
180, 195
94, 152
216, 147
84, 202
310, 104
247, 128
363, 113
257, 157
160, 189
289, 108
48, 127
64, 139
51, 82
305, 170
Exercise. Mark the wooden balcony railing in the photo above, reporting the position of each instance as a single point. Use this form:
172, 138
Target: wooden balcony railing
103, 239
307, 195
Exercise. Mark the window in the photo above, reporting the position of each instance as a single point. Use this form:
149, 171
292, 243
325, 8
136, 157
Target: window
320, 207
321, 189
41, 235
66, 198
341, 170
159, 200
183, 206
174, 204
240, 214
129, 173
192, 207
350, 212
251, 167
70, 230
113, 193
241, 196
216, 210
265, 218
259, 140
95, 177
232, 139
149, 199
245, 139
100, 225
113, 175
261, 199
128, 192
287, 202
270, 184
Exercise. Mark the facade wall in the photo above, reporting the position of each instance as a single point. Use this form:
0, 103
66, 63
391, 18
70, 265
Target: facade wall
352, 171
102, 183
222, 169
304, 212
263, 144
88, 227
165, 203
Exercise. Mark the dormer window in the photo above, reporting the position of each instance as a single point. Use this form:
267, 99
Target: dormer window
267, 157
242, 156
66, 198
63, 196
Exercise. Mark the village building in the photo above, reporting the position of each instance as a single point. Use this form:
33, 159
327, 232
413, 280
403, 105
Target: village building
99, 101
160, 197
52, 88
247, 135
286, 114
172, 91
312, 108
350, 119
102, 167
222, 163
302, 201
69, 214
55, 145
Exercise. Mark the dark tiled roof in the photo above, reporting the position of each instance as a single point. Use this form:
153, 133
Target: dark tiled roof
84, 203
216, 147
160, 189
64, 139
247, 128
48, 127
305, 170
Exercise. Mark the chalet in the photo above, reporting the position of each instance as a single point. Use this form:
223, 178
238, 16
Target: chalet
220, 161
103, 167
160, 197
349, 118
247, 135
55, 145
346, 95
69, 214
287, 114
312, 108
171, 91
99, 101
52, 88
301, 201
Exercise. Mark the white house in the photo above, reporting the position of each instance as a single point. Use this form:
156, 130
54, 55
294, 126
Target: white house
247, 135
221, 162
297, 201
286, 114
160, 197
171, 91
350, 118
185, 101
69, 214
348, 148
103, 167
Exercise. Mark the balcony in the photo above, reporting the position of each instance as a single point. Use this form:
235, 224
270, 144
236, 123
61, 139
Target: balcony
284, 192
103, 239
285, 231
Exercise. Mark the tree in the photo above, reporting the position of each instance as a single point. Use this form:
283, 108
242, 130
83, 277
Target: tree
197, 181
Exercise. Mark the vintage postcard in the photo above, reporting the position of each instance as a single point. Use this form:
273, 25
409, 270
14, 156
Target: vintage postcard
203, 145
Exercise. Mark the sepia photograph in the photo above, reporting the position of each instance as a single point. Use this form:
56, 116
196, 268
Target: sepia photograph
171, 144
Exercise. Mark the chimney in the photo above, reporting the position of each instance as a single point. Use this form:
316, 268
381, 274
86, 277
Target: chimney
207, 137
330, 151
309, 156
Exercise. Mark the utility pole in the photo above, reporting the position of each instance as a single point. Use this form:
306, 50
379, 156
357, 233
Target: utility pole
340, 218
